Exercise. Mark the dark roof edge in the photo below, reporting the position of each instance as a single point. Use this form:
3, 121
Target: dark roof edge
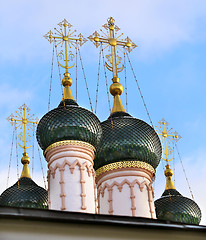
85, 218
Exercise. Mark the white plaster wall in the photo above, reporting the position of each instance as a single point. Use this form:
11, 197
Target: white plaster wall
72, 189
142, 202
56, 191
90, 192
72, 185
104, 208
123, 206
121, 200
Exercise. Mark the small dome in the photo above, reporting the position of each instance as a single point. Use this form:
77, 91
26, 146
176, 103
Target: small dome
125, 138
174, 207
25, 193
68, 122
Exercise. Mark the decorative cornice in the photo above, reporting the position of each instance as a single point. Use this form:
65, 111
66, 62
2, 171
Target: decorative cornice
124, 164
124, 172
69, 142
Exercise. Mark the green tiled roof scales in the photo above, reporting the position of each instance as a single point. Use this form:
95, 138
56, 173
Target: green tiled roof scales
125, 138
68, 122
25, 193
174, 207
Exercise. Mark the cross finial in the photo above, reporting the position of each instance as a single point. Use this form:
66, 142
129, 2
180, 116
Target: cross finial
66, 38
23, 120
168, 137
111, 21
114, 43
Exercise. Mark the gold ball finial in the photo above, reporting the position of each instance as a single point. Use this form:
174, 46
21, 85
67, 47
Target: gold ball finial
116, 89
24, 121
96, 39
112, 41
66, 81
25, 159
65, 38
168, 171
128, 44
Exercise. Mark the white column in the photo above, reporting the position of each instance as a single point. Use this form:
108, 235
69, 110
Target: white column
71, 182
126, 191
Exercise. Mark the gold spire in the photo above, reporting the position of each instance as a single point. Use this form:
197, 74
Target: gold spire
114, 44
65, 36
22, 119
168, 175
168, 137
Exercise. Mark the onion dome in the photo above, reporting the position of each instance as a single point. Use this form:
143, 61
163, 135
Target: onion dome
25, 192
68, 122
125, 138
174, 207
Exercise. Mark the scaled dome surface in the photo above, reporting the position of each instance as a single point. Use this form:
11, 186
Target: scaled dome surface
174, 207
125, 138
25, 193
68, 122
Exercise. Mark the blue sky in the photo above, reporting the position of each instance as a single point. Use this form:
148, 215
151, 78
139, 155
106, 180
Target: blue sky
169, 64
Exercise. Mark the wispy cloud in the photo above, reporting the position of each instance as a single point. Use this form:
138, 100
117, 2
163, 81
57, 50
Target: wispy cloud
157, 26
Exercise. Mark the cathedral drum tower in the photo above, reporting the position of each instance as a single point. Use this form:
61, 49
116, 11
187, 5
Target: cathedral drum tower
129, 150
69, 136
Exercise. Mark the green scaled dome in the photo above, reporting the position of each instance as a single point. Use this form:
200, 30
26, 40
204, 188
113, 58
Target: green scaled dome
125, 138
68, 122
174, 207
25, 193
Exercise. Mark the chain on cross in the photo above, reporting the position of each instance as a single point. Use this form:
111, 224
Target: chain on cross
168, 138
113, 41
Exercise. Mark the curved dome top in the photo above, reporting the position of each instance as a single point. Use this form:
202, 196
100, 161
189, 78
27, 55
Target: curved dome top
125, 138
25, 193
174, 207
68, 122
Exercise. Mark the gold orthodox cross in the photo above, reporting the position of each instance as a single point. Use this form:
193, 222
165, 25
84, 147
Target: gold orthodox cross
23, 120
65, 36
114, 43
168, 137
